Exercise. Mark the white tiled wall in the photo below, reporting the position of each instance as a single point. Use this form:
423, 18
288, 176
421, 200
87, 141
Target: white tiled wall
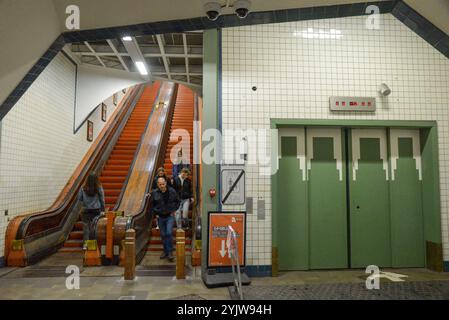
38, 149
295, 76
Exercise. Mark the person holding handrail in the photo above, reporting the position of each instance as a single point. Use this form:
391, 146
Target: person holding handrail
92, 197
164, 203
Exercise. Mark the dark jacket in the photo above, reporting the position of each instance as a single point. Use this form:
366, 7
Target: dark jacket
154, 185
94, 202
178, 167
163, 204
185, 190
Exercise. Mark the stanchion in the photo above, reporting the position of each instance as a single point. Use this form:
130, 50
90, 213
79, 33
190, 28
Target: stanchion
110, 216
130, 255
180, 254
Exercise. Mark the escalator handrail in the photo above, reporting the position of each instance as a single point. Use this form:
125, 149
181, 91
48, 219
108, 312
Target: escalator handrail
119, 200
139, 220
166, 131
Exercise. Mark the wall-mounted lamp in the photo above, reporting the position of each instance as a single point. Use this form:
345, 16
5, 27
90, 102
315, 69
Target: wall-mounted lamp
384, 90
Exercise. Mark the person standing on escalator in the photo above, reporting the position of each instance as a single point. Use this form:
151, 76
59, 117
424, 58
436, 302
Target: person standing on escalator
161, 173
164, 203
92, 197
179, 164
183, 186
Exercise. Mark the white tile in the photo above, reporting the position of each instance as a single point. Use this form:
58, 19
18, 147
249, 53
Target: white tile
39, 150
295, 77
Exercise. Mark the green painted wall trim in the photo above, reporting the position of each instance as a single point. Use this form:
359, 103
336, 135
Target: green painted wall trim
209, 121
431, 186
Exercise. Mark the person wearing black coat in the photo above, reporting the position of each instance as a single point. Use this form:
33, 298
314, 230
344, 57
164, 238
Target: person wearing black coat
161, 173
164, 203
183, 187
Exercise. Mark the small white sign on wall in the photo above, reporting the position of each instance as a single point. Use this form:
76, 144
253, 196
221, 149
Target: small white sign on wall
358, 104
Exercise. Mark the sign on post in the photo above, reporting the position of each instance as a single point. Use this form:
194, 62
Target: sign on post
217, 253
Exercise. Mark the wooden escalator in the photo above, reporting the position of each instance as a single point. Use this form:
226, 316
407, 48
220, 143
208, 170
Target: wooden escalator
182, 119
116, 169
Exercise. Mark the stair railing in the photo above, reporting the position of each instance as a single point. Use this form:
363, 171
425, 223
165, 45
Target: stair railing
196, 177
232, 246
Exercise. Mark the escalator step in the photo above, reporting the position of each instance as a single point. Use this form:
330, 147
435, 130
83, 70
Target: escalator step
76, 235
73, 243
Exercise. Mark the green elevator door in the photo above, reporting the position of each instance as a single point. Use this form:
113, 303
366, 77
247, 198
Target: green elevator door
369, 199
407, 239
327, 198
293, 221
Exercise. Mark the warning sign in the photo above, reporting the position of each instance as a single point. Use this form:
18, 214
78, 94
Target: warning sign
233, 185
218, 251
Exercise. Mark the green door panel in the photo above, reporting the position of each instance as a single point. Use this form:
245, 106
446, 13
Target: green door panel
407, 239
327, 208
385, 199
369, 207
293, 245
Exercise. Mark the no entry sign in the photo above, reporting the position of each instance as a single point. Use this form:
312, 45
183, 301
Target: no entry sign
218, 253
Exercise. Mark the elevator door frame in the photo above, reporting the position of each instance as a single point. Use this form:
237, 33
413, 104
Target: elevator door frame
430, 187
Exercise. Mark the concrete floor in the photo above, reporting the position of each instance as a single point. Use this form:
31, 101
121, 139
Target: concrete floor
103, 283
345, 276
106, 282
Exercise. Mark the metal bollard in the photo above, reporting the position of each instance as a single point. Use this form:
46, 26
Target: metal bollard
180, 254
130, 254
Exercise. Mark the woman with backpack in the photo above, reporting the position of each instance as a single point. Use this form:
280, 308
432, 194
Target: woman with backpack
92, 197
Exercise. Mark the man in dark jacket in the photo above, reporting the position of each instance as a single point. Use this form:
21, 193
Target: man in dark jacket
161, 173
183, 186
164, 202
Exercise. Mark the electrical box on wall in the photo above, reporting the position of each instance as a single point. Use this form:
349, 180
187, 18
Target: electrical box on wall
361, 104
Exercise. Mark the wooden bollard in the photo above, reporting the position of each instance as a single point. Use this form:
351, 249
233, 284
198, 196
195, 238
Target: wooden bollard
110, 216
130, 254
180, 254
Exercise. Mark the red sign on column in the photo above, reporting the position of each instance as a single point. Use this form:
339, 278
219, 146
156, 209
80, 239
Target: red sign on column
218, 254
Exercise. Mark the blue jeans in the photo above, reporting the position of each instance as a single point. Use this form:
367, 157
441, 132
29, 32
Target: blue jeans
88, 218
184, 208
166, 228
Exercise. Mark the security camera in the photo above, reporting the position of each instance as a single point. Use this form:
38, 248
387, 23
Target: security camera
384, 90
241, 8
213, 10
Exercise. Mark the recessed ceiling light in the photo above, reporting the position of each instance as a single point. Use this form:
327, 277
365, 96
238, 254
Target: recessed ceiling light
127, 38
142, 69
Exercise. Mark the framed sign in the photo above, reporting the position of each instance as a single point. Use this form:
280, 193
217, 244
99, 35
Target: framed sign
90, 130
233, 184
103, 112
114, 98
356, 104
217, 251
